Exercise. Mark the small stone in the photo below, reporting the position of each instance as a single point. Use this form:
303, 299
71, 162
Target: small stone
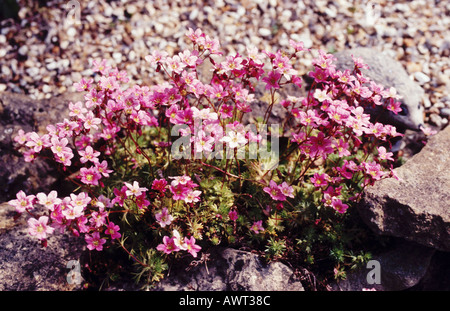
445, 112
436, 119
421, 77
71, 32
46, 88
52, 65
131, 9
264, 32
6, 70
64, 44
23, 50
33, 71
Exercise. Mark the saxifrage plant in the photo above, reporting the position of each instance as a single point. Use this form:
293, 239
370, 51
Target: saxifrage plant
172, 169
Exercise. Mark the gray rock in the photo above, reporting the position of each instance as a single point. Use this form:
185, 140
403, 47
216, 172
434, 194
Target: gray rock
401, 266
27, 266
417, 207
233, 270
390, 73
18, 111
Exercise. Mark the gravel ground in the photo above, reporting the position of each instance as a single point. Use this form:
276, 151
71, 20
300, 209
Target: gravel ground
48, 47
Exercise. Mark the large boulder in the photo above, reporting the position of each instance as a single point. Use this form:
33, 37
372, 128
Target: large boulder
416, 207
388, 72
231, 270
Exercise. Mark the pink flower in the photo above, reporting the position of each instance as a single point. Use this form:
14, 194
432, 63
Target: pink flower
83, 85
374, 170
65, 157
234, 139
274, 191
180, 180
298, 46
101, 66
188, 58
272, 80
342, 148
39, 227
73, 212
134, 189
102, 168
191, 247
164, 218
81, 200
37, 142
179, 191
394, 106
320, 145
50, 200
428, 131
175, 64
232, 63
90, 121
212, 45
282, 65
94, 241
382, 154
338, 205
93, 98
58, 146
22, 202
257, 227
90, 176
141, 201
21, 137
109, 83
168, 245
156, 57
113, 230
89, 154
233, 215
320, 180
159, 185
120, 195
286, 190
192, 196
98, 219
194, 35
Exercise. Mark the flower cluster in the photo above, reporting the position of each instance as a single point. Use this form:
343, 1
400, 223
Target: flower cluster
121, 147
77, 213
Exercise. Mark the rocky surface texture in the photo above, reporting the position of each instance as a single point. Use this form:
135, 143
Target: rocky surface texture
416, 207
25, 265
232, 270
416, 211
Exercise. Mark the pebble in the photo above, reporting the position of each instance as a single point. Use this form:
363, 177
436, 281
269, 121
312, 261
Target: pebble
264, 32
23, 50
421, 77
